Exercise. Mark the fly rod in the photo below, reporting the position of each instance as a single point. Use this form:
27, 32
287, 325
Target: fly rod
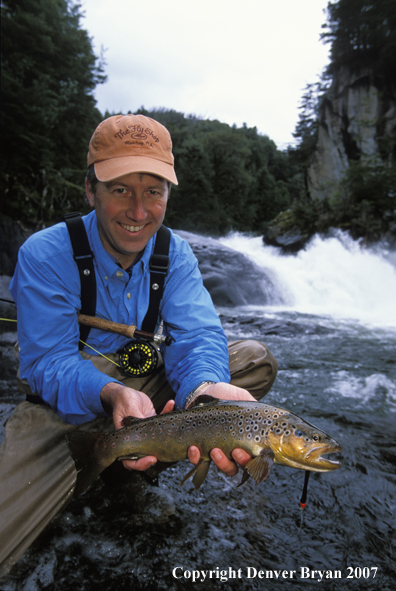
126, 330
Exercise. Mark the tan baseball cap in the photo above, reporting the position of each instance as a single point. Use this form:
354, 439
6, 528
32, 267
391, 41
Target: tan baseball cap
131, 143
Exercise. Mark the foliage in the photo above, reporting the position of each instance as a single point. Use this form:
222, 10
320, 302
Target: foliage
308, 122
48, 74
362, 33
364, 203
229, 177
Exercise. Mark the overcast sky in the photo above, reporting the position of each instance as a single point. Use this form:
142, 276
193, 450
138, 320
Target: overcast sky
238, 61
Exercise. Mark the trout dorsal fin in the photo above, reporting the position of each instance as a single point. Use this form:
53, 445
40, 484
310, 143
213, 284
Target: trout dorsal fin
204, 399
128, 421
260, 466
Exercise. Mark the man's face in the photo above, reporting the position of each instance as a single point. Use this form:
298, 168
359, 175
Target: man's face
130, 210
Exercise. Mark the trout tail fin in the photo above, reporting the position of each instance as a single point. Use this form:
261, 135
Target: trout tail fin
89, 463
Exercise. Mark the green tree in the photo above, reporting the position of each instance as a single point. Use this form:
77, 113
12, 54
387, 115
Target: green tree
192, 205
231, 181
362, 33
229, 177
48, 75
306, 131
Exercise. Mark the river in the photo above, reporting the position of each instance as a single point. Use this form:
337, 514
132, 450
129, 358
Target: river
329, 316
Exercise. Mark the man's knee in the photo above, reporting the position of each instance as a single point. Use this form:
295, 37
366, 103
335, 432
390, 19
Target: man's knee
252, 367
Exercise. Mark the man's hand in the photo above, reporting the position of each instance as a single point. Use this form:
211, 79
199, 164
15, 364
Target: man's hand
224, 391
121, 402
227, 392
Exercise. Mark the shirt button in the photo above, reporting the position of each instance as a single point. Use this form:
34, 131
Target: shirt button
106, 278
120, 274
128, 296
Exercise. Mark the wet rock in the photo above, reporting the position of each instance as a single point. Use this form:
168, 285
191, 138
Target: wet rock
230, 277
284, 232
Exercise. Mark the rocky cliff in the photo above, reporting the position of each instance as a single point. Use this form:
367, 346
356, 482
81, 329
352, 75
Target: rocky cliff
356, 116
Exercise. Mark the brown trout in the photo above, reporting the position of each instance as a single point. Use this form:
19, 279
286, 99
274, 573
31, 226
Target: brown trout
269, 434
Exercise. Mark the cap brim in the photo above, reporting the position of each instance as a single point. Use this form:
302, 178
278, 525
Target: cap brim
108, 170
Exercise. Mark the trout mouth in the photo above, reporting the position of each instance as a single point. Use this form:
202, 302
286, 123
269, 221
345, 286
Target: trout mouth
318, 462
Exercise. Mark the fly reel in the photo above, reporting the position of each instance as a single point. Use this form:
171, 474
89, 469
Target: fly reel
138, 358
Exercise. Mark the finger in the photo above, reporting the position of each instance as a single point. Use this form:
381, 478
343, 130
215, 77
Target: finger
169, 406
223, 463
141, 464
194, 454
241, 456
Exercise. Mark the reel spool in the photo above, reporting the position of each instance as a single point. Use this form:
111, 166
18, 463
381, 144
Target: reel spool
138, 358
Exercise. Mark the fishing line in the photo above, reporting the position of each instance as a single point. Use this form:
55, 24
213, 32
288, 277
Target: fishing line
138, 358
99, 353
85, 344
7, 302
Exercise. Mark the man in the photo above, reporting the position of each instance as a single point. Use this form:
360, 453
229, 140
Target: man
130, 173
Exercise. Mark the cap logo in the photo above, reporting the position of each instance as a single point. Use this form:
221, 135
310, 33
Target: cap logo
124, 144
139, 135
137, 132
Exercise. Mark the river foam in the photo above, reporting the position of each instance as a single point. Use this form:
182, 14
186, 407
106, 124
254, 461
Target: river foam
334, 276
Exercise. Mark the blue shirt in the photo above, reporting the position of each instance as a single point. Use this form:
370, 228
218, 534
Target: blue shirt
46, 289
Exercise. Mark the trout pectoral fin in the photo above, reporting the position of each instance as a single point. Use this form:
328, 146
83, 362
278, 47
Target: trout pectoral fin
260, 466
204, 399
199, 473
128, 421
131, 457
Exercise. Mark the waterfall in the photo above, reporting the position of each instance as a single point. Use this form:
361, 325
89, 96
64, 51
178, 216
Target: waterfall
333, 276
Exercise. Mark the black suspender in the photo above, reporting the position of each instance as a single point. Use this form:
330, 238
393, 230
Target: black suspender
84, 258
158, 266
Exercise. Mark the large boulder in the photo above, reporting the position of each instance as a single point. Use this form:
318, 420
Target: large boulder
230, 277
284, 232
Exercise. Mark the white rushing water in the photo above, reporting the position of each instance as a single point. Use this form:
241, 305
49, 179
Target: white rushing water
333, 276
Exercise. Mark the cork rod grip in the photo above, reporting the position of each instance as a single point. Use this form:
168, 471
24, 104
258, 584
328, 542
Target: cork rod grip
107, 325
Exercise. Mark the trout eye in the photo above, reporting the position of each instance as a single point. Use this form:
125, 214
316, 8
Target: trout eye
315, 437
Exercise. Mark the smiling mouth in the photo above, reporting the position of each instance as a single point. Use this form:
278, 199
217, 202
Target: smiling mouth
132, 228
